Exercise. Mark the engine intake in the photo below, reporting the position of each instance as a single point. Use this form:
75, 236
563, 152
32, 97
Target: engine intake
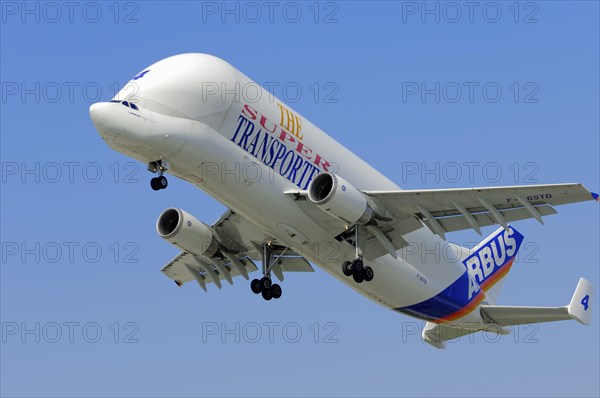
341, 199
186, 232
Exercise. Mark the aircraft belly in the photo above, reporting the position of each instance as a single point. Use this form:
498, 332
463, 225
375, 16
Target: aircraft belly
255, 191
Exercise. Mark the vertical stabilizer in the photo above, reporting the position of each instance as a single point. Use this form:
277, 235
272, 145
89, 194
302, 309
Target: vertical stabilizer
490, 261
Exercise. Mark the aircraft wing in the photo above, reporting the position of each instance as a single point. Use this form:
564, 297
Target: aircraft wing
239, 240
444, 210
447, 210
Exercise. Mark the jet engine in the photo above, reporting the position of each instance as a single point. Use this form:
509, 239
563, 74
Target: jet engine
186, 232
341, 199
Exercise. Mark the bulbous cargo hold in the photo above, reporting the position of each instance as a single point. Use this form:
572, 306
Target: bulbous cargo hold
190, 86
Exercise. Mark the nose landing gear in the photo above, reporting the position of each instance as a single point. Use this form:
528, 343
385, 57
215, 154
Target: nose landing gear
158, 167
159, 182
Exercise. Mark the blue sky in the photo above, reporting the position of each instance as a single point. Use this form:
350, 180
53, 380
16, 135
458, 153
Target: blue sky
432, 94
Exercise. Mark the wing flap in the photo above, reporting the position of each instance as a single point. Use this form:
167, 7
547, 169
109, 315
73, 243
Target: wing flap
457, 223
445, 210
180, 269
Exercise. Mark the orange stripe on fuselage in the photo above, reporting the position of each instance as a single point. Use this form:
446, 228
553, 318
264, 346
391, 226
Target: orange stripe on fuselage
485, 286
464, 310
491, 281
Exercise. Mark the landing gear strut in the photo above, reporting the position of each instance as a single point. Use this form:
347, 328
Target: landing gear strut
264, 285
356, 268
158, 167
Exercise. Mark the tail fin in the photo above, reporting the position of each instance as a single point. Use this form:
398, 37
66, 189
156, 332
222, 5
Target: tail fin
490, 261
580, 309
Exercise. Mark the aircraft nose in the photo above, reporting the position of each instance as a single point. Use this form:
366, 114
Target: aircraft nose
99, 112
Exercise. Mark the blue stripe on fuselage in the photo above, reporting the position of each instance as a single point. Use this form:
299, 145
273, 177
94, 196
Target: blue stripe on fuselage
448, 301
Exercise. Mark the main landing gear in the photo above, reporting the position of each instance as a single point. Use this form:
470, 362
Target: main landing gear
264, 285
356, 268
158, 167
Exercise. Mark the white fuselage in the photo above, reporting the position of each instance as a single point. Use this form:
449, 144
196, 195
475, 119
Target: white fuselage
220, 131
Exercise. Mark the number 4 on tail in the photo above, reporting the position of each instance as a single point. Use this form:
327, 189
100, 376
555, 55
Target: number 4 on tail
585, 302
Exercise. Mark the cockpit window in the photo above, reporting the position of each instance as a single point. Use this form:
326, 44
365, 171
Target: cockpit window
127, 104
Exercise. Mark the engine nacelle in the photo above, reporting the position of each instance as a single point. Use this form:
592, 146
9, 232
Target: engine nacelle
186, 232
341, 199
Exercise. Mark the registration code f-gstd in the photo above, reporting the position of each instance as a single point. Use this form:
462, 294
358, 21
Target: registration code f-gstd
532, 198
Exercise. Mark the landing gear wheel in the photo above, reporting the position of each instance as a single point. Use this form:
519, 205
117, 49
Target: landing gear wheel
368, 273
154, 184
265, 284
347, 268
276, 291
358, 277
255, 286
357, 266
158, 167
162, 182
267, 294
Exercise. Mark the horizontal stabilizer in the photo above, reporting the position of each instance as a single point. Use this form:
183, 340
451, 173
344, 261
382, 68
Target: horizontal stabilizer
507, 316
578, 309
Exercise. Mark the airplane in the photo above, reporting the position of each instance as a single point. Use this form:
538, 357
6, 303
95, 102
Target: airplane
298, 198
